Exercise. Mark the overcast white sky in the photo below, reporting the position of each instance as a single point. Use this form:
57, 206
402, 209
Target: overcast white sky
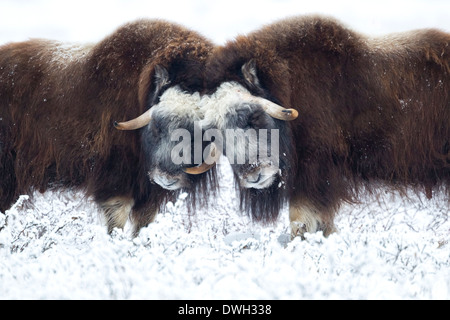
91, 20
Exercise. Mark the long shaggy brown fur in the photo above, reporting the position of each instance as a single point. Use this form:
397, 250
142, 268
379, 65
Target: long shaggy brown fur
371, 110
58, 103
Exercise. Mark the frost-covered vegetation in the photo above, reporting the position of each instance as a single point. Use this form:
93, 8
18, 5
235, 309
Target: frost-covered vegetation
55, 246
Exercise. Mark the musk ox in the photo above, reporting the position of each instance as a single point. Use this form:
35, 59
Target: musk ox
358, 113
58, 103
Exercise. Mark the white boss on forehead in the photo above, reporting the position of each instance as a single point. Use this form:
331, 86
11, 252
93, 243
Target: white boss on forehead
230, 95
175, 103
212, 109
222, 103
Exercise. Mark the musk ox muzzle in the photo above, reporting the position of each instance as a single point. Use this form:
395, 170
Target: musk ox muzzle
176, 109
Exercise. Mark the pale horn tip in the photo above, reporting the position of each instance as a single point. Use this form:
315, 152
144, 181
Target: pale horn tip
290, 114
137, 123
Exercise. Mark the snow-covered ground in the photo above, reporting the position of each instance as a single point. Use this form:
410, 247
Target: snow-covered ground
56, 246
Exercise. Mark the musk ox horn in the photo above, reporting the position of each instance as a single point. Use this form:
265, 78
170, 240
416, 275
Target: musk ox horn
199, 169
136, 123
276, 111
209, 162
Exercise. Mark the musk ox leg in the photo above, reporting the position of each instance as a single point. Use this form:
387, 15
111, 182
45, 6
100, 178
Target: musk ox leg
305, 217
116, 211
8, 182
142, 217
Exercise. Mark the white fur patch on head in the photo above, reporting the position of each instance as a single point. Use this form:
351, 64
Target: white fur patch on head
175, 102
218, 106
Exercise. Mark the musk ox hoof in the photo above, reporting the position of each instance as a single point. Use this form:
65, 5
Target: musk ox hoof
305, 218
298, 229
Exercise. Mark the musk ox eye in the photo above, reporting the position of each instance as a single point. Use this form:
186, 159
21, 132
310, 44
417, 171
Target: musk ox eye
259, 119
155, 130
242, 116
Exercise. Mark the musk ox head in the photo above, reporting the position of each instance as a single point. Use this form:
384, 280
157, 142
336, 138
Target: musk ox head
252, 126
167, 142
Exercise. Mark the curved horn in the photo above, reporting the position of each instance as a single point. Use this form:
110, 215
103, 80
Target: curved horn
199, 169
136, 123
209, 162
276, 111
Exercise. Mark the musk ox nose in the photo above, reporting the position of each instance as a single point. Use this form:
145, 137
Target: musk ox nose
254, 178
260, 177
169, 183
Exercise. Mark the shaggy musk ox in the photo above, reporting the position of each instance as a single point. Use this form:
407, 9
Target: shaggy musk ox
371, 112
58, 103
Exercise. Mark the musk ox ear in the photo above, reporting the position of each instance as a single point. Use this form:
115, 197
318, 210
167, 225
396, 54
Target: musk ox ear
251, 74
152, 80
160, 80
161, 76
147, 96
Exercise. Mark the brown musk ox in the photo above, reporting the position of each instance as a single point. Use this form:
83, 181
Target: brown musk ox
58, 104
352, 113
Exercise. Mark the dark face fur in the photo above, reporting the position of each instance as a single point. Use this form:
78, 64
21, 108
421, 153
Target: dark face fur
247, 128
254, 142
167, 140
